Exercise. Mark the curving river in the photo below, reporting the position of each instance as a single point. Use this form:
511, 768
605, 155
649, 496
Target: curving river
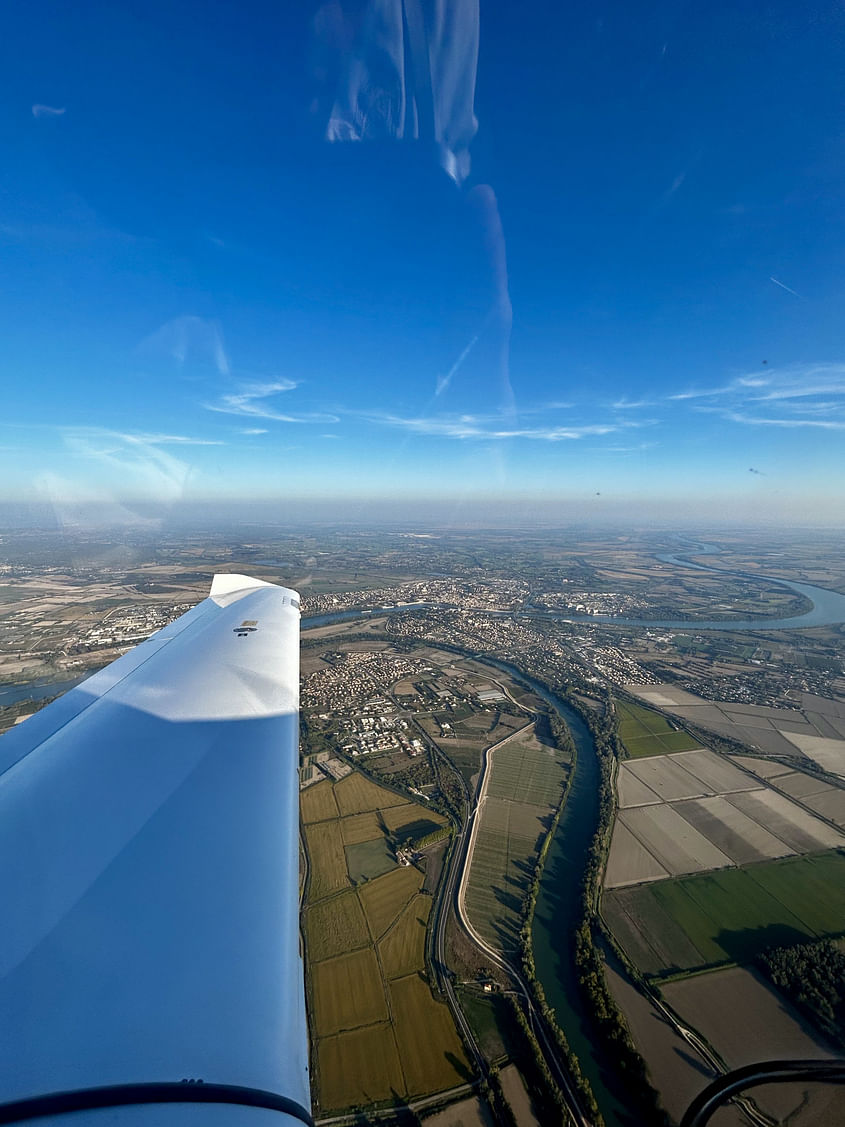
559, 901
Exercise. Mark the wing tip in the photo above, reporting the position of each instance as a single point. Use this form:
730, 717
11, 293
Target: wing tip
226, 584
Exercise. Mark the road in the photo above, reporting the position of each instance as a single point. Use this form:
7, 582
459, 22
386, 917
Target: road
451, 898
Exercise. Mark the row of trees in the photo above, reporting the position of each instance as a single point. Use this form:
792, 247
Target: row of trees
604, 1014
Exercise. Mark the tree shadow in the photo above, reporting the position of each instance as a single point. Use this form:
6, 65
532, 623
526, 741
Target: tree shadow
744, 945
459, 1066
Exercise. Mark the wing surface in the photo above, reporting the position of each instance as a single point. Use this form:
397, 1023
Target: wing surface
149, 871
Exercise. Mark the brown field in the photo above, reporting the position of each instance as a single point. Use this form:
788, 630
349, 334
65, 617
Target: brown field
327, 858
671, 840
348, 992
677, 1073
335, 926
629, 862
516, 1094
359, 1067
737, 835
739, 1014
317, 802
356, 794
399, 816
431, 1052
360, 827
385, 897
402, 950
471, 1112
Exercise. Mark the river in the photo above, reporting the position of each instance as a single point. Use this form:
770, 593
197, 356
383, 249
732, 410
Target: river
559, 901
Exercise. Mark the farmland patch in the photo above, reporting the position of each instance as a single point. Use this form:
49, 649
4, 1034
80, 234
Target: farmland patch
348, 992
369, 859
431, 1052
789, 822
677, 845
402, 950
360, 1067
384, 898
356, 794
728, 916
361, 827
327, 859
317, 803
335, 926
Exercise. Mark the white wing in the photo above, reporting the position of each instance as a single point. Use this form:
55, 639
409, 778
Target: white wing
149, 875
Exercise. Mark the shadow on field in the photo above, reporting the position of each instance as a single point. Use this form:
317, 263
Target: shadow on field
459, 1066
743, 946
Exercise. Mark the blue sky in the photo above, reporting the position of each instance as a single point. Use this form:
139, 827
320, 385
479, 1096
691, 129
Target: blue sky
204, 298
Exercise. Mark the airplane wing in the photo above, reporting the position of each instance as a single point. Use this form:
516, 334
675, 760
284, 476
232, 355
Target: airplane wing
150, 967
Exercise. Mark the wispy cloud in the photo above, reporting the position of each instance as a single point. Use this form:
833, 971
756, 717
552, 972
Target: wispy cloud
40, 110
495, 427
810, 395
188, 340
252, 400
135, 462
253, 430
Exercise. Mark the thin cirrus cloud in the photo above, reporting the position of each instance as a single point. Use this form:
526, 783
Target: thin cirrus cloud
189, 341
494, 427
809, 395
253, 401
136, 461
40, 110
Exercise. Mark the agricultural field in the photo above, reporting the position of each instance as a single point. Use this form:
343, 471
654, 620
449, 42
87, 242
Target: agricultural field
816, 733
367, 860
402, 950
356, 794
430, 1050
347, 992
336, 925
317, 804
823, 798
324, 843
728, 916
693, 811
524, 784
737, 1011
365, 923
645, 732
384, 899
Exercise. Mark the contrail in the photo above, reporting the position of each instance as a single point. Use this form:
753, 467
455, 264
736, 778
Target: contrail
783, 287
444, 381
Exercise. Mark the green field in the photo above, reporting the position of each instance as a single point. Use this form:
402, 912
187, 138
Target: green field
728, 916
369, 859
645, 732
